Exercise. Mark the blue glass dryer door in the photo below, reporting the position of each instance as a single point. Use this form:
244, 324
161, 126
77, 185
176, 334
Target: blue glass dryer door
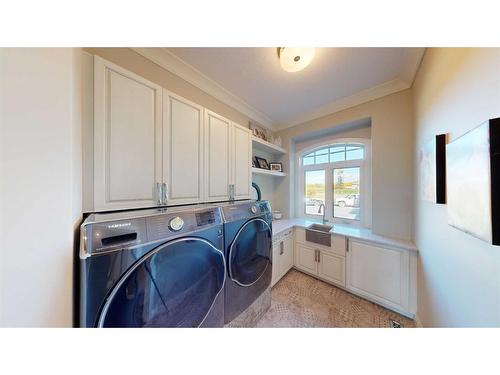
174, 285
250, 252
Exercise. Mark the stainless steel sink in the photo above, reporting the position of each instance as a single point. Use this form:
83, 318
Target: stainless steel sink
319, 233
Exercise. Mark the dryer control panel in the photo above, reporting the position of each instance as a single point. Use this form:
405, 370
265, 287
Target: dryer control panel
104, 233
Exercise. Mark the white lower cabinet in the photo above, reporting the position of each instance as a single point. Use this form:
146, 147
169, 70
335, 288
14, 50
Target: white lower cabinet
384, 275
305, 258
321, 263
331, 267
282, 255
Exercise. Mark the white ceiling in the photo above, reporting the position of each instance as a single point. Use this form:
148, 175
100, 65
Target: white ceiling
336, 79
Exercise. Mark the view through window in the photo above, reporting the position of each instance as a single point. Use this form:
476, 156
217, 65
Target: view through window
346, 193
338, 167
315, 192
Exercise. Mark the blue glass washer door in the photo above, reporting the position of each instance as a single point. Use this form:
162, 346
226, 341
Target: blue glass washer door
250, 252
174, 285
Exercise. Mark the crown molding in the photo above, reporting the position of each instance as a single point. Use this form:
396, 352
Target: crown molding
172, 63
386, 88
411, 65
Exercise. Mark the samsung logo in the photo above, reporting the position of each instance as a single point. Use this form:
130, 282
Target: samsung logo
119, 225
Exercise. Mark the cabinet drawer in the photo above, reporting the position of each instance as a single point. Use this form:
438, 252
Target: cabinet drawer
338, 243
281, 236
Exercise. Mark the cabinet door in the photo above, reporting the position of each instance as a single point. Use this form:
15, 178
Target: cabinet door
276, 260
286, 256
127, 138
305, 258
241, 162
379, 274
331, 268
217, 153
182, 149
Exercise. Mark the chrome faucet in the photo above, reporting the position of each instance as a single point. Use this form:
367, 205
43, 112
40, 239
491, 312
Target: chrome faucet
319, 211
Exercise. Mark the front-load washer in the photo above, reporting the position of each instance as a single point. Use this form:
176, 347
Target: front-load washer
153, 268
248, 249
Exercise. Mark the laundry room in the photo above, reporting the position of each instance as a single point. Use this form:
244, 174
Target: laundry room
269, 193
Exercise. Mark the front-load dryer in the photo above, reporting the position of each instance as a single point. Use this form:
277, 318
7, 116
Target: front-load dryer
248, 249
153, 268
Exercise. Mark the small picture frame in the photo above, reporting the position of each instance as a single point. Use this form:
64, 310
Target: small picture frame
258, 132
261, 163
278, 167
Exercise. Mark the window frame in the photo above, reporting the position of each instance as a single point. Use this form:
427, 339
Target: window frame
364, 188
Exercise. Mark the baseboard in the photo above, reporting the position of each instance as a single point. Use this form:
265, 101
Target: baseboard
418, 323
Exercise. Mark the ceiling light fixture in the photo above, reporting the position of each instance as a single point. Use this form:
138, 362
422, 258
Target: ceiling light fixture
293, 59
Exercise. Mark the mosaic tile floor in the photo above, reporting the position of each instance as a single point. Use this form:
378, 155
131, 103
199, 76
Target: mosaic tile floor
299, 300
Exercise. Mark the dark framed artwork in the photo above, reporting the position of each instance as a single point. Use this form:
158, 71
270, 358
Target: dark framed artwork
473, 182
261, 163
432, 167
278, 167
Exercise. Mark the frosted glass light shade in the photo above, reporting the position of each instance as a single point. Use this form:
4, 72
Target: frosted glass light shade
293, 59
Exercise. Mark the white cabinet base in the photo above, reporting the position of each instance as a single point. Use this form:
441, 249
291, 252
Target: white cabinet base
331, 268
382, 275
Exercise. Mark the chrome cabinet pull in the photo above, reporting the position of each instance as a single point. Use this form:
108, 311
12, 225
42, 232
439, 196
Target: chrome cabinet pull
159, 193
165, 193
231, 192
282, 248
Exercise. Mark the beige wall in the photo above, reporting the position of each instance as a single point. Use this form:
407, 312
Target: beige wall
40, 184
458, 275
392, 159
361, 132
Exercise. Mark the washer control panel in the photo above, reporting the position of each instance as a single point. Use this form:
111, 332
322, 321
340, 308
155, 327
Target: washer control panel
245, 209
176, 224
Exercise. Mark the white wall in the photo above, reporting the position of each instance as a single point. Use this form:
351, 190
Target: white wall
40, 186
458, 275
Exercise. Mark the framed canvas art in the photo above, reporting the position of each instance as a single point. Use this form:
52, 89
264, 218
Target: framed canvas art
473, 181
432, 166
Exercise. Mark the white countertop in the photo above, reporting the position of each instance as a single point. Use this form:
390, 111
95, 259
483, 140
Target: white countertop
344, 230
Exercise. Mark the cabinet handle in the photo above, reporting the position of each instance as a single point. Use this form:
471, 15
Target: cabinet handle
165, 193
231, 192
315, 255
282, 248
319, 256
159, 188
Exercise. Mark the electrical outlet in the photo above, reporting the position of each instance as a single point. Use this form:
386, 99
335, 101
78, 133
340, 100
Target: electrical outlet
395, 324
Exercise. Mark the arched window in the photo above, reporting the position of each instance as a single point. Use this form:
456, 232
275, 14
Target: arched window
335, 153
334, 178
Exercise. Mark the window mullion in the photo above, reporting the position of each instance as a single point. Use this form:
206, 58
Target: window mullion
329, 193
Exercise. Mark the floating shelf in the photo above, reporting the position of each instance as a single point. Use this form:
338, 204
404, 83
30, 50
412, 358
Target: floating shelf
260, 144
267, 171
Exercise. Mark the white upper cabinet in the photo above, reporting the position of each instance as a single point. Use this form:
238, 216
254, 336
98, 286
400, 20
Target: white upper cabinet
152, 147
217, 156
127, 138
241, 161
183, 142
